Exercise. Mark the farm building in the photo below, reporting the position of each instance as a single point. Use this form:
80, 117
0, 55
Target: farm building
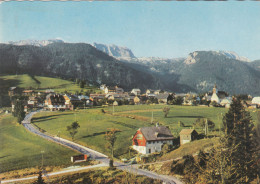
187, 135
151, 139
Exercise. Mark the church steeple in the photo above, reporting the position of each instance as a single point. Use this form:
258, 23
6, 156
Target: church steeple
215, 89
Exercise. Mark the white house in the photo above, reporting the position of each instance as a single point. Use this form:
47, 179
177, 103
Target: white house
136, 91
151, 139
225, 102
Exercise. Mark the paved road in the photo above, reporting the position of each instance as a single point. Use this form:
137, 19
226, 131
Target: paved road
55, 173
94, 154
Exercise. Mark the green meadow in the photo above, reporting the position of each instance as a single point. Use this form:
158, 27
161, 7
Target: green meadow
41, 83
127, 119
21, 149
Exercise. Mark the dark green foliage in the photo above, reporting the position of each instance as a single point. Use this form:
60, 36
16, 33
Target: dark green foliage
111, 163
73, 129
166, 148
82, 84
202, 159
202, 122
177, 168
111, 139
178, 100
19, 110
237, 153
40, 179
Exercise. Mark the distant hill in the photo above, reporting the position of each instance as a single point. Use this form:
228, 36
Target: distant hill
255, 64
67, 60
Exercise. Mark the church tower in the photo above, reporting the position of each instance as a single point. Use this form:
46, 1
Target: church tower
214, 97
215, 90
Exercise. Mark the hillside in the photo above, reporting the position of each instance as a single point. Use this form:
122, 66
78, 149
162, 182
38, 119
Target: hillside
39, 83
70, 61
202, 69
197, 73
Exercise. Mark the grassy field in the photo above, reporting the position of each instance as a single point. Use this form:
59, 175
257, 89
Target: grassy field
41, 83
94, 123
20, 149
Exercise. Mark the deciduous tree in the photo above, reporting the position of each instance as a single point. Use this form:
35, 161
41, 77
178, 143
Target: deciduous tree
73, 129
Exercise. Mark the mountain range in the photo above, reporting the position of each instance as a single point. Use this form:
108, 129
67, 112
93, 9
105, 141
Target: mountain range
115, 65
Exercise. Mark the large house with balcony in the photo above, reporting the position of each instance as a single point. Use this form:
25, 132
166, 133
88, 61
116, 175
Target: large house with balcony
55, 102
151, 139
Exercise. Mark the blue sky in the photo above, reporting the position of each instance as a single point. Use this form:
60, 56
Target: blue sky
161, 29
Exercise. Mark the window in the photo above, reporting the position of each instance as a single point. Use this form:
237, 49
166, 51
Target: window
139, 136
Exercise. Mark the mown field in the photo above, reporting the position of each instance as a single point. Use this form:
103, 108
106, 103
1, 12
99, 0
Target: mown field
21, 149
41, 83
127, 119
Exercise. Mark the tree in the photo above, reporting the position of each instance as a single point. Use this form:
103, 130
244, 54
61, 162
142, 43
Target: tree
166, 148
166, 111
73, 129
82, 84
111, 139
220, 165
77, 81
240, 133
19, 110
178, 100
40, 179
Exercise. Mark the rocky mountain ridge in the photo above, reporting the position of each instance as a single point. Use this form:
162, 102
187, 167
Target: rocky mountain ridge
196, 73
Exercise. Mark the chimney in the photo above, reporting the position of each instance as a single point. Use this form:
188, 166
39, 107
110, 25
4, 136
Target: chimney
157, 124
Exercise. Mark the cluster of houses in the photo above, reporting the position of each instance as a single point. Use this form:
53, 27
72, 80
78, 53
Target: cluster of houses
116, 95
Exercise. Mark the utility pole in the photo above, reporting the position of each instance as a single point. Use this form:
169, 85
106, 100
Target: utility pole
42, 157
152, 118
113, 109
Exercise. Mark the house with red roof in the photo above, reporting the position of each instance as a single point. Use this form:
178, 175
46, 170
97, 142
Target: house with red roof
151, 139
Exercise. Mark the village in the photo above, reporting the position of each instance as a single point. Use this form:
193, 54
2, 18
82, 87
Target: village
117, 96
147, 139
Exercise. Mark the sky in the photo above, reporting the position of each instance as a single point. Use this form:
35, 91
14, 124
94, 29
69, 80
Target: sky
166, 29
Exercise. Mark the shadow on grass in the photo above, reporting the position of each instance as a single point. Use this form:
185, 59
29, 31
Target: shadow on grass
94, 134
185, 117
44, 118
4, 156
124, 124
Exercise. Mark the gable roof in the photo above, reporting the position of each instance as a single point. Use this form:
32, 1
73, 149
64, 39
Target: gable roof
162, 96
187, 131
156, 133
12, 88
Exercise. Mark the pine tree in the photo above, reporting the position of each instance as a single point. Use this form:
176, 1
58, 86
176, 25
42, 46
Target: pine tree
239, 132
220, 165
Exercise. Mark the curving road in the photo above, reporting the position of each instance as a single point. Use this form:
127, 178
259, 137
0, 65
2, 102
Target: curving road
96, 155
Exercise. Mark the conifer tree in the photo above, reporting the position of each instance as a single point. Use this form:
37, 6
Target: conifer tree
239, 132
